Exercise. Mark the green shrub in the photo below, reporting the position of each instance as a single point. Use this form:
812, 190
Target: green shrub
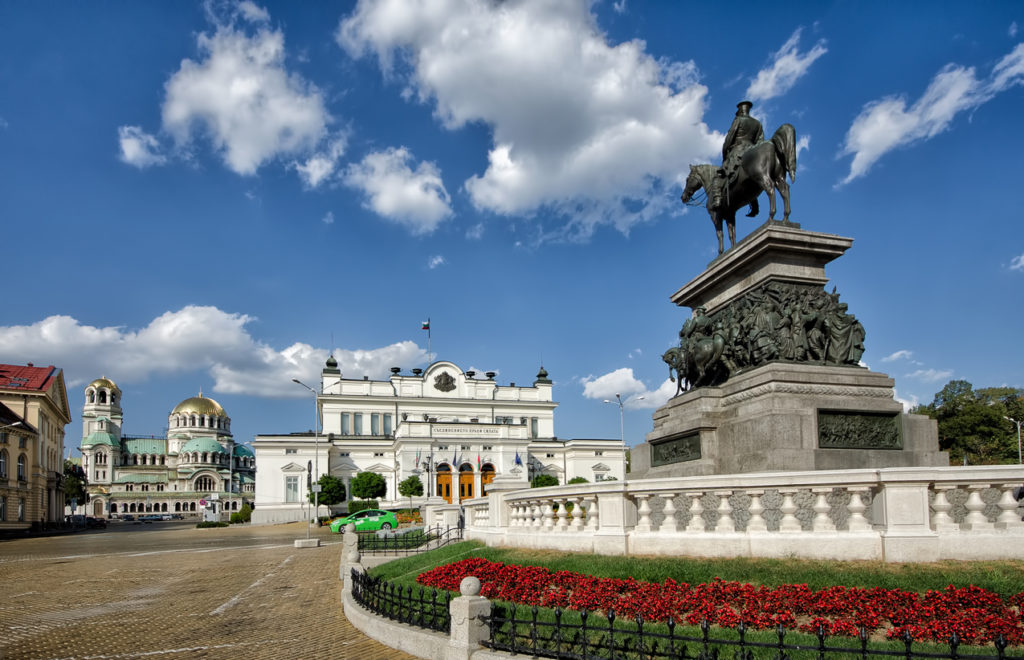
246, 513
355, 506
543, 481
579, 480
211, 523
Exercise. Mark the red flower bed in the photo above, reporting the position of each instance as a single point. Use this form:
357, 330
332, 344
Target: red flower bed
977, 616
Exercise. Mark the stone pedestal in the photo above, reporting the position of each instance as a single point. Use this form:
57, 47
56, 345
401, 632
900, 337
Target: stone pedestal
784, 414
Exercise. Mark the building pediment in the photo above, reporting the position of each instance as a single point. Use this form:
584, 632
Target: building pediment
293, 467
378, 467
599, 467
551, 467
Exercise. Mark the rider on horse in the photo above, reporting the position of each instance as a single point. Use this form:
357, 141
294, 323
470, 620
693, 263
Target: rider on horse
744, 133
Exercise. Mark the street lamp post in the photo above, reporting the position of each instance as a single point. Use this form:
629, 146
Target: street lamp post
316, 455
1010, 419
7, 426
622, 428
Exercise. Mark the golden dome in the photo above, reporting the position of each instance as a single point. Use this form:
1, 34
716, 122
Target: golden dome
200, 405
103, 382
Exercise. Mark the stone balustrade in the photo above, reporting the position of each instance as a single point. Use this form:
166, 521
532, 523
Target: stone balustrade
891, 514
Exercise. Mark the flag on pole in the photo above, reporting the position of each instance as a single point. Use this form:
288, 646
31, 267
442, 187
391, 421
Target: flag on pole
519, 461
455, 460
425, 325
478, 462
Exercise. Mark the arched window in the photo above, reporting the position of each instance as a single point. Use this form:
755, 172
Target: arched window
135, 459
21, 467
193, 420
206, 457
113, 507
177, 507
113, 398
131, 507
103, 396
191, 506
204, 483
90, 396
3, 463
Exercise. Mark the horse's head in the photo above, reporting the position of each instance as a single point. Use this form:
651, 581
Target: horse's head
693, 184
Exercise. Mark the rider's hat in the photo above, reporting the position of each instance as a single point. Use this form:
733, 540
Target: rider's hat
744, 106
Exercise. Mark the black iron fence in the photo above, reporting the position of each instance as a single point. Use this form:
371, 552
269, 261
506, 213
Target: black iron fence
408, 543
605, 638
416, 607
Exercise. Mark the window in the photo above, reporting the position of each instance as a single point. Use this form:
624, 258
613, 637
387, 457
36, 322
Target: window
375, 424
21, 468
378, 453
3, 463
3, 437
387, 424
291, 451
22, 443
488, 448
345, 428
3, 508
442, 448
598, 452
344, 453
21, 509
464, 447
291, 489
549, 455
357, 423
533, 427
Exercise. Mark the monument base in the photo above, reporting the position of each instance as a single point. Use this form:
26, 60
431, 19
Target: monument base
785, 416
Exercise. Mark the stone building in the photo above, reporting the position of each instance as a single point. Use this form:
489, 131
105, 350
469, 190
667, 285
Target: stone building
33, 414
455, 430
195, 465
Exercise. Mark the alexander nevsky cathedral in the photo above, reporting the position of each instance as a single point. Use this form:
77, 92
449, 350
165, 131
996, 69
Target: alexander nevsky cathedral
196, 467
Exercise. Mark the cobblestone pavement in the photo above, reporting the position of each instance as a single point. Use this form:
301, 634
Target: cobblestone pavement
172, 591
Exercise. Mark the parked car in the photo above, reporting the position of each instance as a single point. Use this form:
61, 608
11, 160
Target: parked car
150, 517
129, 517
367, 520
95, 523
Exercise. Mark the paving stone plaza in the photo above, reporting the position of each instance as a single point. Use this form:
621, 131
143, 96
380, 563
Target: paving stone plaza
169, 590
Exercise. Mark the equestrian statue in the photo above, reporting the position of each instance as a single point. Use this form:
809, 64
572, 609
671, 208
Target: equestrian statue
750, 165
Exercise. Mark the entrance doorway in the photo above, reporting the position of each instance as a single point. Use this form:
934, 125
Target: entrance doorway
465, 482
444, 482
486, 477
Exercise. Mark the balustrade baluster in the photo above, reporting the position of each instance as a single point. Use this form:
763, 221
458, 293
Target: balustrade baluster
856, 507
696, 511
822, 522
563, 514
976, 519
643, 511
1008, 517
593, 513
549, 515
578, 514
669, 524
789, 522
756, 522
725, 522
941, 506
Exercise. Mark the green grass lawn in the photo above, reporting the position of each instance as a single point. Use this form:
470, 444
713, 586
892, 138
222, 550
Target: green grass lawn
1005, 578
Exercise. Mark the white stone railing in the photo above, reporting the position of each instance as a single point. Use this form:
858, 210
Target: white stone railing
892, 514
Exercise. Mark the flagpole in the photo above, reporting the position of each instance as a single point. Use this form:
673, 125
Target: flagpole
428, 342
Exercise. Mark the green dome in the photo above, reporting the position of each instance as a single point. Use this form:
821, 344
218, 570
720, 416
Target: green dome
208, 445
242, 450
99, 438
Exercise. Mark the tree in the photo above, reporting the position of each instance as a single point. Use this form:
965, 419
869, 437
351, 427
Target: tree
579, 480
411, 487
332, 490
369, 485
543, 481
972, 424
75, 484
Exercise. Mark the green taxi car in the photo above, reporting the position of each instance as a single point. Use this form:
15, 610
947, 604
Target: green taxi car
367, 520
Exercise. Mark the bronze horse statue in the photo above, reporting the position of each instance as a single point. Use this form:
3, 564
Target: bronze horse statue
763, 168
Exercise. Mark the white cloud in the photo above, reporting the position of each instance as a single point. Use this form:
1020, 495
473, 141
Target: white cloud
786, 67
476, 232
1012, 31
908, 401
139, 148
592, 131
886, 124
624, 383
414, 198
1017, 263
902, 354
803, 143
930, 375
322, 164
253, 12
242, 98
190, 339
328, 218
435, 261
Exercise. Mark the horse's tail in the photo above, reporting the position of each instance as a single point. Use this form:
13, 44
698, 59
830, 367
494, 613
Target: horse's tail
785, 142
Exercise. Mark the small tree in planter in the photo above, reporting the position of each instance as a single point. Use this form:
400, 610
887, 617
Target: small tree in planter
411, 487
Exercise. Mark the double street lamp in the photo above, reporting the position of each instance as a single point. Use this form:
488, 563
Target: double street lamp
1010, 419
315, 484
622, 428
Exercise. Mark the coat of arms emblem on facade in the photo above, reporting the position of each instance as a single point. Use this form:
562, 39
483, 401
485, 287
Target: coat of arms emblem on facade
444, 382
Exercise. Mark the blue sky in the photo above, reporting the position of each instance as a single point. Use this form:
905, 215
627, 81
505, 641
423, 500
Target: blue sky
217, 195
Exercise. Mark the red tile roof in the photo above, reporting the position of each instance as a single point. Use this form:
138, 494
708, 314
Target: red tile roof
18, 377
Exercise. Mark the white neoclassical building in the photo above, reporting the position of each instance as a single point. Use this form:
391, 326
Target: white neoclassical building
456, 430
196, 465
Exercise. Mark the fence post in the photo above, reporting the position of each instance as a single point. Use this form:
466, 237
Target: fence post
468, 628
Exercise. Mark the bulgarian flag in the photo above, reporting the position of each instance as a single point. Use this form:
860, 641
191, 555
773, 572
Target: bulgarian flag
425, 325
